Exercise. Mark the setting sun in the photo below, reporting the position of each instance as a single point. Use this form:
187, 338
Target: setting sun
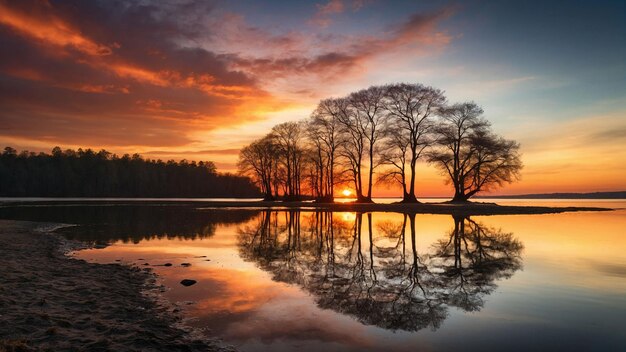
346, 192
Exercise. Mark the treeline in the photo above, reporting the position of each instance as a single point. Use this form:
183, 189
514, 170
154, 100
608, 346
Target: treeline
379, 134
87, 173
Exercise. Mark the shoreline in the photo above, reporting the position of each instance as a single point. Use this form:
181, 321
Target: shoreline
51, 301
461, 209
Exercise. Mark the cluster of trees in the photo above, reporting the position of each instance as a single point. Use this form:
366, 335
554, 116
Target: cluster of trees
86, 173
379, 134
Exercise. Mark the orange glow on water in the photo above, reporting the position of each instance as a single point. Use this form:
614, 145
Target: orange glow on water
239, 296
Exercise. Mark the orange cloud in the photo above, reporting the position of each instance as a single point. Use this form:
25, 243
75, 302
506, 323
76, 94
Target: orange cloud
63, 86
50, 29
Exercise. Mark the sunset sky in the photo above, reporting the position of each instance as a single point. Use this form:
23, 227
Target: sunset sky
200, 79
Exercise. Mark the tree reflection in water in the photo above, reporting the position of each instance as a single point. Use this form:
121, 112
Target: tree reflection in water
103, 223
380, 278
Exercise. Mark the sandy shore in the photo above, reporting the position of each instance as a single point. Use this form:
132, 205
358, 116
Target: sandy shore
51, 302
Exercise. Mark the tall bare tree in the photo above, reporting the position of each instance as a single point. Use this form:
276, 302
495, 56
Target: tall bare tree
393, 155
353, 144
324, 132
259, 160
474, 158
411, 110
369, 111
288, 139
315, 154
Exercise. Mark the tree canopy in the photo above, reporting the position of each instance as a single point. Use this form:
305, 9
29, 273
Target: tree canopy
470, 154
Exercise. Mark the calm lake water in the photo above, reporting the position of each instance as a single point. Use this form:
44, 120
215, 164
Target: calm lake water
311, 281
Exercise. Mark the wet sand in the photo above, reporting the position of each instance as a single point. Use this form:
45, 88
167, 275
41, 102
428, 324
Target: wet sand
52, 302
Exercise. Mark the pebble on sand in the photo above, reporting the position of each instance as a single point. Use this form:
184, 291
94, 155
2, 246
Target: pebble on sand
188, 282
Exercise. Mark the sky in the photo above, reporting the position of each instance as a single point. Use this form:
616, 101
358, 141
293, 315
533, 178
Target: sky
198, 80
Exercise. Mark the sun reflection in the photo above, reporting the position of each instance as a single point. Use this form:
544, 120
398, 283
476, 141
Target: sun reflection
348, 216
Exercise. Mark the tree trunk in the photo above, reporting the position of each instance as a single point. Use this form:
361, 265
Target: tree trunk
371, 175
412, 182
331, 178
459, 197
409, 197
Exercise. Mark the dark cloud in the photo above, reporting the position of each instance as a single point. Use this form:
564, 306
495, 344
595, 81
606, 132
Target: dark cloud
325, 65
345, 56
614, 135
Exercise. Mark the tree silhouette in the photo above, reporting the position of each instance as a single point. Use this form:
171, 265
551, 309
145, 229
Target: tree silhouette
411, 108
473, 157
383, 129
368, 106
260, 160
353, 145
324, 133
287, 138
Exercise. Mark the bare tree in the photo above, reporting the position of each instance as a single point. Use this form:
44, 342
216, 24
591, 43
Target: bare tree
259, 160
288, 139
370, 113
393, 155
353, 143
473, 157
324, 133
315, 155
411, 108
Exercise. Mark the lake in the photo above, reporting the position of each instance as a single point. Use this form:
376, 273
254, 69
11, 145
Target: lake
309, 280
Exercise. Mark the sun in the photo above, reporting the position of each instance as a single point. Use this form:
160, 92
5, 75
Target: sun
346, 192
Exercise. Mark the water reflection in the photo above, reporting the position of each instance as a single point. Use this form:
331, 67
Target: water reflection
381, 279
129, 223
376, 274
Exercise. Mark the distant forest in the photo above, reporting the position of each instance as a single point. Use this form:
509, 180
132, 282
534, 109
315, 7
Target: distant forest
592, 195
87, 173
